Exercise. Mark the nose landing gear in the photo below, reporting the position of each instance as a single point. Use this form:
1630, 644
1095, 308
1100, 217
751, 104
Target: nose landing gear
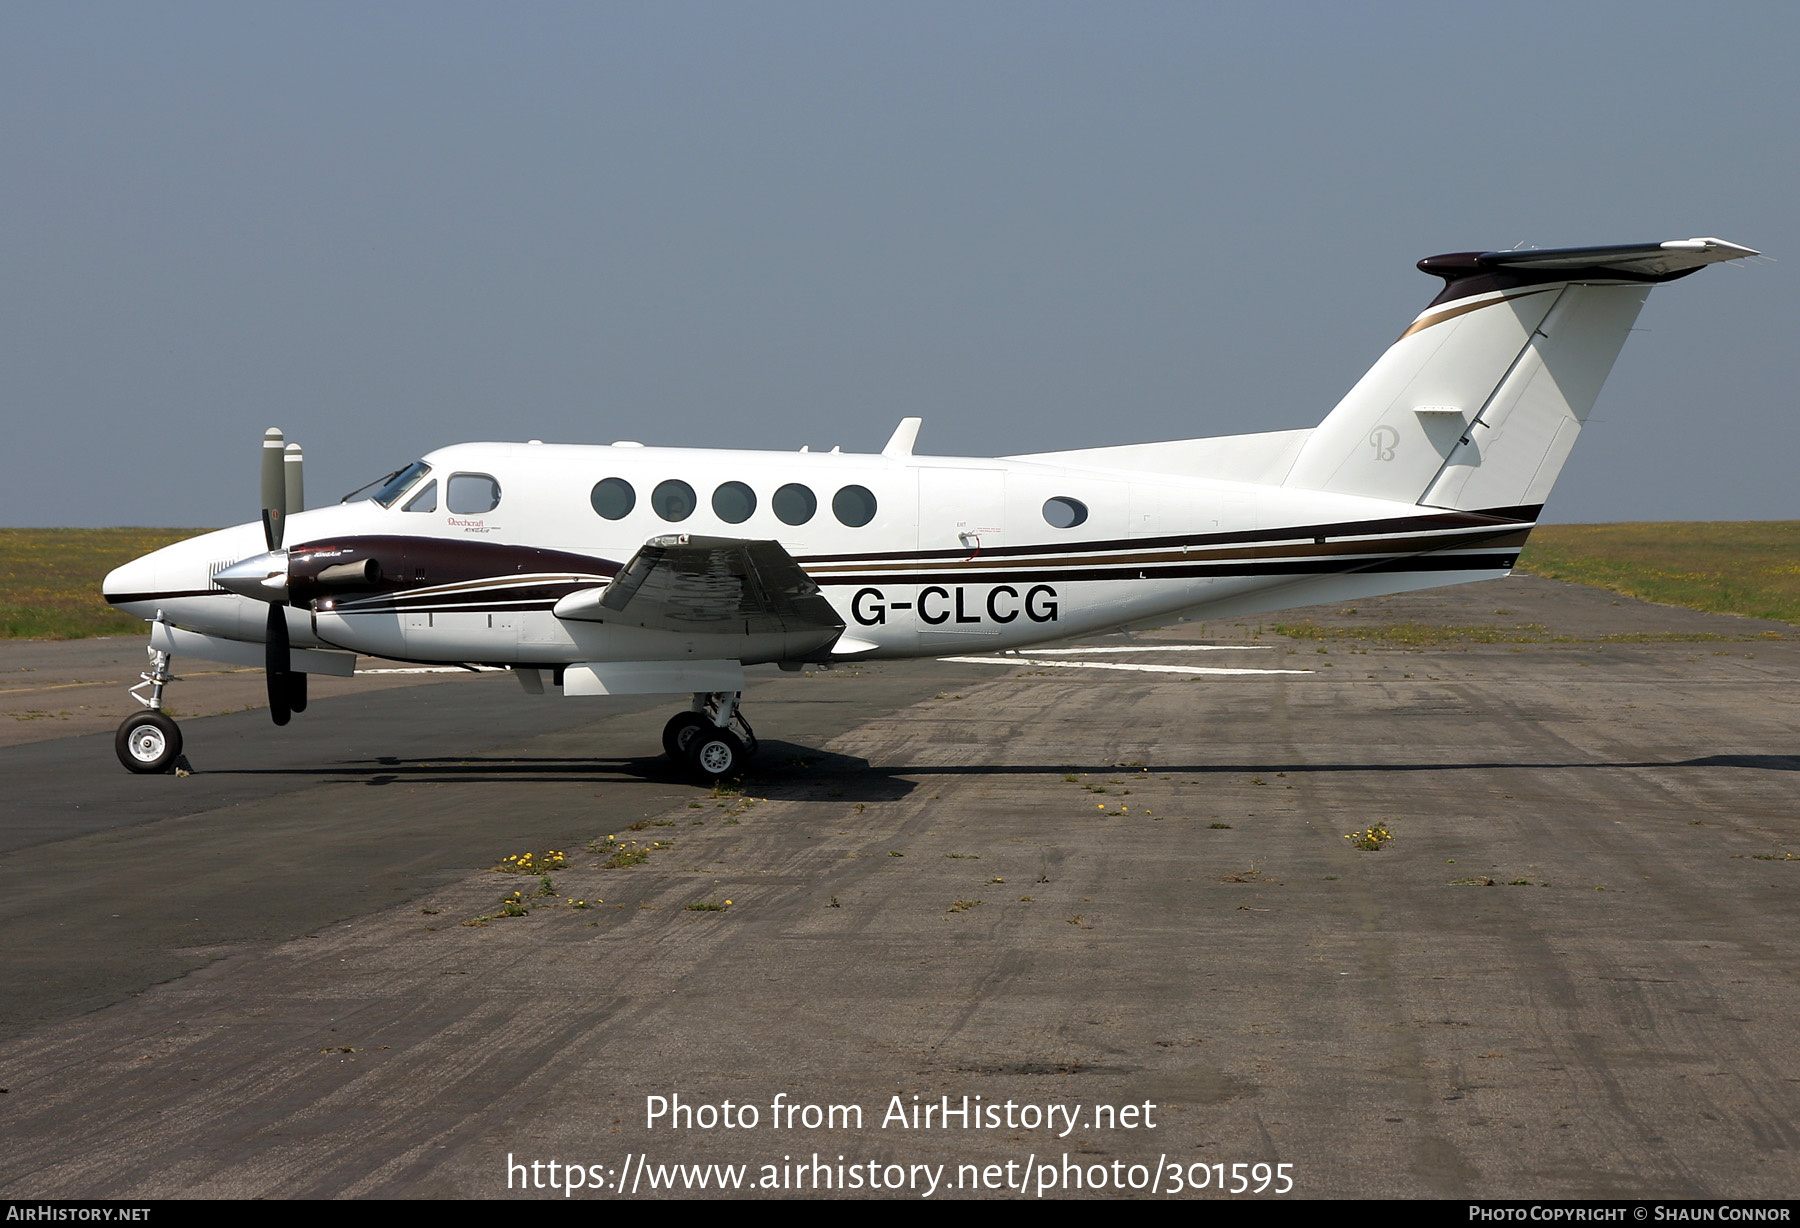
149, 742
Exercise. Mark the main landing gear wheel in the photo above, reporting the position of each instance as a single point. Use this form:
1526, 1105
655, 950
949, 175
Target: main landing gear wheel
713, 754
148, 743
681, 730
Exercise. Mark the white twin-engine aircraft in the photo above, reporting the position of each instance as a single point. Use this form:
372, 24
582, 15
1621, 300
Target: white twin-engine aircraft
636, 570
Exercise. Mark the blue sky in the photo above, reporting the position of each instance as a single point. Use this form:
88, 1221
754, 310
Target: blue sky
390, 227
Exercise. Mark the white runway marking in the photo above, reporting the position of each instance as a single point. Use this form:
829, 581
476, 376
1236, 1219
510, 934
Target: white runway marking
1147, 669
1070, 652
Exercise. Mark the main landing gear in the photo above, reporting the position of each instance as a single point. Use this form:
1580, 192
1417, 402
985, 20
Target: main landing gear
149, 742
712, 739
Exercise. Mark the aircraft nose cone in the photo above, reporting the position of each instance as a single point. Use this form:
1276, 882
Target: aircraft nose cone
134, 581
262, 576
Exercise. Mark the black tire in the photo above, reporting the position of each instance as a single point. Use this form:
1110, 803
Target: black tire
297, 692
148, 743
680, 731
714, 754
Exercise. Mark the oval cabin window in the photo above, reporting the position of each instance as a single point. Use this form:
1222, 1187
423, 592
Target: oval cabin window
854, 505
1063, 512
673, 500
794, 504
613, 498
733, 502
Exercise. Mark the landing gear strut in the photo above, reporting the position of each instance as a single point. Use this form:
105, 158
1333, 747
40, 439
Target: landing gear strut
149, 742
712, 739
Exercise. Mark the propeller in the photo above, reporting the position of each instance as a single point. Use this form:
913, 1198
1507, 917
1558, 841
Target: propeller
277, 655
265, 576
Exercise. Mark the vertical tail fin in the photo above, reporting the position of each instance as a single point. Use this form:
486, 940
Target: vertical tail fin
1478, 403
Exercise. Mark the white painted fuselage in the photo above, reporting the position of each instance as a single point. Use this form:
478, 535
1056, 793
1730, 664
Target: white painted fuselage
958, 555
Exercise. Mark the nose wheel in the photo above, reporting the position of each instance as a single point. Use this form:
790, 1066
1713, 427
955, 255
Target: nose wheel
148, 743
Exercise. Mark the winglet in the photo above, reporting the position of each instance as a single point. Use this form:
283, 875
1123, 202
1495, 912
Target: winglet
900, 444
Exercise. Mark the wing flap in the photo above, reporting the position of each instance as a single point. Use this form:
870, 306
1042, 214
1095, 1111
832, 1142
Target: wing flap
708, 585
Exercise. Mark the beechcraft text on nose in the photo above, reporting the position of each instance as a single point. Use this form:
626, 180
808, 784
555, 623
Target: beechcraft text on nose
671, 1112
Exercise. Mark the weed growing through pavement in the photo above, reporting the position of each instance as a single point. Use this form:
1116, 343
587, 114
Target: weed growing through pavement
533, 863
628, 853
1370, 838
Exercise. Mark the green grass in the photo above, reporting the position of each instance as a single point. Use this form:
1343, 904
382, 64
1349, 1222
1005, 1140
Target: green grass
50, 579
1749, 567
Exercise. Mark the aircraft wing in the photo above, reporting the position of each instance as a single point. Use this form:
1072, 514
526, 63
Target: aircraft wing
721, 585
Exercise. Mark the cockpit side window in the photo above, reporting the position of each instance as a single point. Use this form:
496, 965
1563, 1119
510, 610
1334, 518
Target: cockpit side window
470, 494
400, 483
425, 500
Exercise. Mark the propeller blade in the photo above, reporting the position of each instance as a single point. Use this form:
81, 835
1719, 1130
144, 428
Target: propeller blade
277, 662
274, 486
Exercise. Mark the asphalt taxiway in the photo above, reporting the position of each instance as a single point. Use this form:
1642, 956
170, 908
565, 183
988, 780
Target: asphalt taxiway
1569, 972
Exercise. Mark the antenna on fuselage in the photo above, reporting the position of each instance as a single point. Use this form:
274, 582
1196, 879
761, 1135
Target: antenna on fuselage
900, 443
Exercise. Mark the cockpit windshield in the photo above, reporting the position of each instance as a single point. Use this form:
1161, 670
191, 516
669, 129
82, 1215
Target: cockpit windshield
394, 485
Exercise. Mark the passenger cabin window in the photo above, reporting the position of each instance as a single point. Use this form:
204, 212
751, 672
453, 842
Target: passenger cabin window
470, 494
613, 498
794, 504
854, 506
734, 502
425, 500
1063, 512
673, 500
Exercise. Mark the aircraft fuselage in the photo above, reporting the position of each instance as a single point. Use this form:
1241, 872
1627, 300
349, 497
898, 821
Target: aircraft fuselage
953, 554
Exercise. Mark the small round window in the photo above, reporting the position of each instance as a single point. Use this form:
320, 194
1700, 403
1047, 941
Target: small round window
1064, 513
734, 502
854, 505
794, 504
613, 498
470, 494
673, 500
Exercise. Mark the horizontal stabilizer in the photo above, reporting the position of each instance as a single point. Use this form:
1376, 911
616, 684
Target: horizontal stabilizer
1659, 260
